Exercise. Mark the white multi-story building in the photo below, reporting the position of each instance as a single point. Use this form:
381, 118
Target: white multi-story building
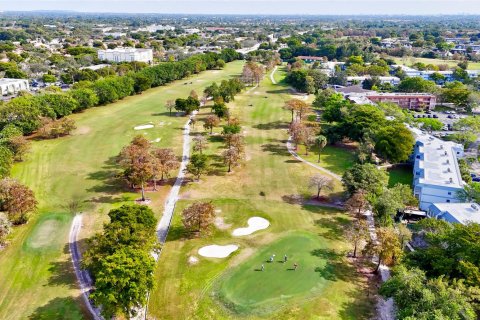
10, 86
126, 55
436, 174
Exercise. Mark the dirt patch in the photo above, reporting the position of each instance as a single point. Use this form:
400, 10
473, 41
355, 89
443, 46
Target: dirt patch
192, 260
220, 223
82, 130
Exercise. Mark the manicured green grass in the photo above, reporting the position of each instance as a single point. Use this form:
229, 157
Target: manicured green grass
400, 174
248, 289
79, 171
408, 61
334, 158
268, 184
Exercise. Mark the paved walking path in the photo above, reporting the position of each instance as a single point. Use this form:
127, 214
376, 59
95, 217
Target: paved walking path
164, 224
271, 75
83, 277
292, 151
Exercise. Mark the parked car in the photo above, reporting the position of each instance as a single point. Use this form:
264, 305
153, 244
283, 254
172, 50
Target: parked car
476, 179
435, 116
450, 116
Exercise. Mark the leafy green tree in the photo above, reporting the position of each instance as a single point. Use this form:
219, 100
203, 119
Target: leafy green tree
456, 93
417, 84
22, 112
123, 281
417, 297
437, 77
362, 119
6, 161
394, 142
365, 177
453, 252
430, 124
386, 205
321, 142
198, 165
386, 247
334, 105
49, 78
86, 98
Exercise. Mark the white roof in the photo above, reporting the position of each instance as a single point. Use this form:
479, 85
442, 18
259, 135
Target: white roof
439, 163
125, 50
11, 80
462, 212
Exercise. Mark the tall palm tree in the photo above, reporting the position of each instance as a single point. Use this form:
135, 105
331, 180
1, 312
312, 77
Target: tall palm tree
321, 142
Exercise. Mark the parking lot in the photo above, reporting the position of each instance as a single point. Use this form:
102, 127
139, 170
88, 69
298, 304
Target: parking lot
448, 118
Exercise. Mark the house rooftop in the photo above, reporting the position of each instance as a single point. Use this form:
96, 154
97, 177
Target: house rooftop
462, 212
439, 162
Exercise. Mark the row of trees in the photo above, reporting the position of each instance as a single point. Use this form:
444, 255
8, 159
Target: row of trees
120, 261
25, 112
142, 163
17, 201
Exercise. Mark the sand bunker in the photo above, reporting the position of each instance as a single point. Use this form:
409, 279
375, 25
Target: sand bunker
254, 224
145, 126
215, 251
156, 140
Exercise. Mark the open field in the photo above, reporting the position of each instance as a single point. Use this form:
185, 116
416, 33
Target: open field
408, 61
76, 173
270, 184
400, 174
337, 159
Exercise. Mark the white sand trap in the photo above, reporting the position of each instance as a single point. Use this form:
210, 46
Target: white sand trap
215, 251
145, 126
156, 140
254, 224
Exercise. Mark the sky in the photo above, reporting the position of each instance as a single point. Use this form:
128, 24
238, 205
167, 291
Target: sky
310, 7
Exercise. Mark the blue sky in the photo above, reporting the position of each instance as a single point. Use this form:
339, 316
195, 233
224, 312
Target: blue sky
421, 7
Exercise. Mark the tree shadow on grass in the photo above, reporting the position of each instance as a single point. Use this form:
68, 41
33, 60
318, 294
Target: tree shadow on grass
62, 272
276, 149
280, 91
293, 198
293, 161
217, 167
60, 308
109, 178
336, 267
272, 125
176, 233
334, 227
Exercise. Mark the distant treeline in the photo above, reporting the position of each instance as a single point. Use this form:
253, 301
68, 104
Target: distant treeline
27, 111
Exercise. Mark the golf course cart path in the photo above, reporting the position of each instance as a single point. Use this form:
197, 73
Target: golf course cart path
82, 275
291, 149
164, 224
271, 75
385, 308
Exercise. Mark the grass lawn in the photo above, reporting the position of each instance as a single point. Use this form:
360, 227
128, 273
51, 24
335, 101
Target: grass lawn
36, 278
408, 61
268, 184
249, 290
400, 174
334, 158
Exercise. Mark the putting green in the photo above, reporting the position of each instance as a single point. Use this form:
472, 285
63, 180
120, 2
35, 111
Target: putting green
45, 234
247, 289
